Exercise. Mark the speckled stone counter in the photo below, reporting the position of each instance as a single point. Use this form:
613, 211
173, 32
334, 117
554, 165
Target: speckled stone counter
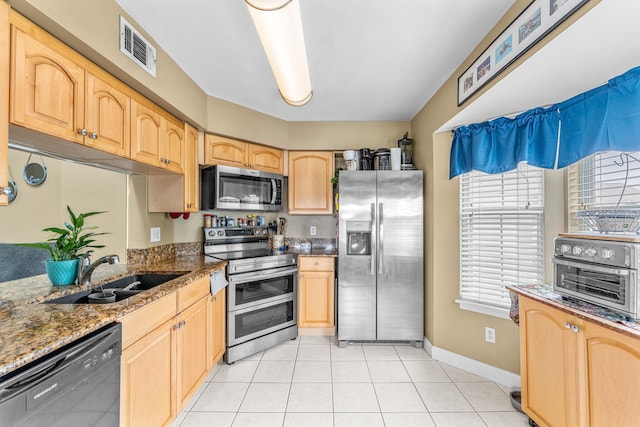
30, 329
581, 309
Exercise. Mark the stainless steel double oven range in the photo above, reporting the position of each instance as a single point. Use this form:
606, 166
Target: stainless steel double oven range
262, 292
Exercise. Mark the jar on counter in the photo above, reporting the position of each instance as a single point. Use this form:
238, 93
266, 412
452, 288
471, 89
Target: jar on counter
214, 221
223, 221
207, 221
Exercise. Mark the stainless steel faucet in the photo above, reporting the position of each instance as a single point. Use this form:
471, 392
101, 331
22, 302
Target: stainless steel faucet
85, 267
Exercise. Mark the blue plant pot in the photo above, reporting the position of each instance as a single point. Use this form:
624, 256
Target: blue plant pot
62, 273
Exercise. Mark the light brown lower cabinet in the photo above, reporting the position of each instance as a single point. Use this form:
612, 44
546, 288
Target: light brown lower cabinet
217, 321
165, 361
316, 299
576, 372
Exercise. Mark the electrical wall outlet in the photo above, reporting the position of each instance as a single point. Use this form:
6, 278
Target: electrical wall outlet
155, 234
489, 335
312, 230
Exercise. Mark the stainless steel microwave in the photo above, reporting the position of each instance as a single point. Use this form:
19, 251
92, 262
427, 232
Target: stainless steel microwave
237, 189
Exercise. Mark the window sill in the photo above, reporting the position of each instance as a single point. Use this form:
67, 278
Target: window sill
502, 313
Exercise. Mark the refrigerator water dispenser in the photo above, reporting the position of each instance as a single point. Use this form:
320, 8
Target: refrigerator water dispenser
358, 238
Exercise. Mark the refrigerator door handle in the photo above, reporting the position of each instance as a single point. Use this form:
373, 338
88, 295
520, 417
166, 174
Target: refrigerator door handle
373, 237
380, 238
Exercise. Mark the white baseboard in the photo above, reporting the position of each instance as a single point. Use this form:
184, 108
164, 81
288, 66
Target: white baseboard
492, 373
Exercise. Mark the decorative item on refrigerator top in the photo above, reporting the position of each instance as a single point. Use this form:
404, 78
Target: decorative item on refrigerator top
406, 147
382, 159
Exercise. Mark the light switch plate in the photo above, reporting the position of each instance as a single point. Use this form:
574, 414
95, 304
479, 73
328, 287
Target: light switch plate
155, 234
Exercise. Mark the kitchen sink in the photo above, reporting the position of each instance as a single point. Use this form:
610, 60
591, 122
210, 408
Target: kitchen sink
122, 289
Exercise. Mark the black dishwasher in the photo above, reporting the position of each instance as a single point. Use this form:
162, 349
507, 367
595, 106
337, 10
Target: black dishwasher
78, 385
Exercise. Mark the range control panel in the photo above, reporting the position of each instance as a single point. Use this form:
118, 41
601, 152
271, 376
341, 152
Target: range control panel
240, 234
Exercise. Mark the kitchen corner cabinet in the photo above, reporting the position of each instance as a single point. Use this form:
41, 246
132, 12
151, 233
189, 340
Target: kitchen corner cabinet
4, 100
316, 299
219, 150
178, 193
574, 371
165, 356
310, 188
157, 137
217, 317
56, 91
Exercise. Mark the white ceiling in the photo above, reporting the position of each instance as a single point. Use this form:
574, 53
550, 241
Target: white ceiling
369, 60
600, 45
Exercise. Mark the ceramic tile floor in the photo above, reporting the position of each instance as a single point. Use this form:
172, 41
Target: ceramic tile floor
311, 382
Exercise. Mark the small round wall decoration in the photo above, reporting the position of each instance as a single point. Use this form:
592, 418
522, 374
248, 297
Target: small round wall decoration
34, 173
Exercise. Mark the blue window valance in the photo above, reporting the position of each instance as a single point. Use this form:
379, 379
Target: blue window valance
499, 145
606, 118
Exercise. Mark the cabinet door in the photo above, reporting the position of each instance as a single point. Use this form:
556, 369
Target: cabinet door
4, 100
172, 152
217, 327
47, 88
612, 377
316, 299
191, 170
148, 379
191, 350
310, 188
266, 158
219, 150
146, 134
549, 364
108, 117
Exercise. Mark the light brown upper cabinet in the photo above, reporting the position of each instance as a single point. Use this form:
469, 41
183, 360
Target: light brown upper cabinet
4, 101
56, 91
177, 193
310, 188
157, 137
219, 150
191, 170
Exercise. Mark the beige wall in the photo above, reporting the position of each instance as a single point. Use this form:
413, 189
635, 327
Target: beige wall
446, 325
83, 188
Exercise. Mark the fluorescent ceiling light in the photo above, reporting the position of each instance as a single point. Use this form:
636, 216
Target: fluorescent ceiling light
279, 27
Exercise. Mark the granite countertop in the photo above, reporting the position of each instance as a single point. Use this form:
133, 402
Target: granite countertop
584, 310
30, 329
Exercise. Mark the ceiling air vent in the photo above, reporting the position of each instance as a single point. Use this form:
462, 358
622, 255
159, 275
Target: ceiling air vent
137, 47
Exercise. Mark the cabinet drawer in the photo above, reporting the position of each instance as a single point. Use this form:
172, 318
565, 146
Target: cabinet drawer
316, 263
139, 323
191, 293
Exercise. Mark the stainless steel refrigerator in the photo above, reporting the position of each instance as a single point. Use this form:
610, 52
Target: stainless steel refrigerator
380, 265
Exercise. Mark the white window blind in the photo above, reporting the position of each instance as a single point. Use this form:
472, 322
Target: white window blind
501, 235
597, 182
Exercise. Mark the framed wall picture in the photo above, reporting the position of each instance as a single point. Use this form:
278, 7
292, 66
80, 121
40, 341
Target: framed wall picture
540, 17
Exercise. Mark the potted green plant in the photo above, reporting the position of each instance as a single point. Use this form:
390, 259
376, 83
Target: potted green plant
66, 247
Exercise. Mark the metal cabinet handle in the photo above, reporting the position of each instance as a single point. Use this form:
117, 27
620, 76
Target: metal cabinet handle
567, 325
82, 132
93, 135
574, 328
7, 191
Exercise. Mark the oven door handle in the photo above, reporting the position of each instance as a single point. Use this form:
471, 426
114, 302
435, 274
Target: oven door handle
260, 275
593, 267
